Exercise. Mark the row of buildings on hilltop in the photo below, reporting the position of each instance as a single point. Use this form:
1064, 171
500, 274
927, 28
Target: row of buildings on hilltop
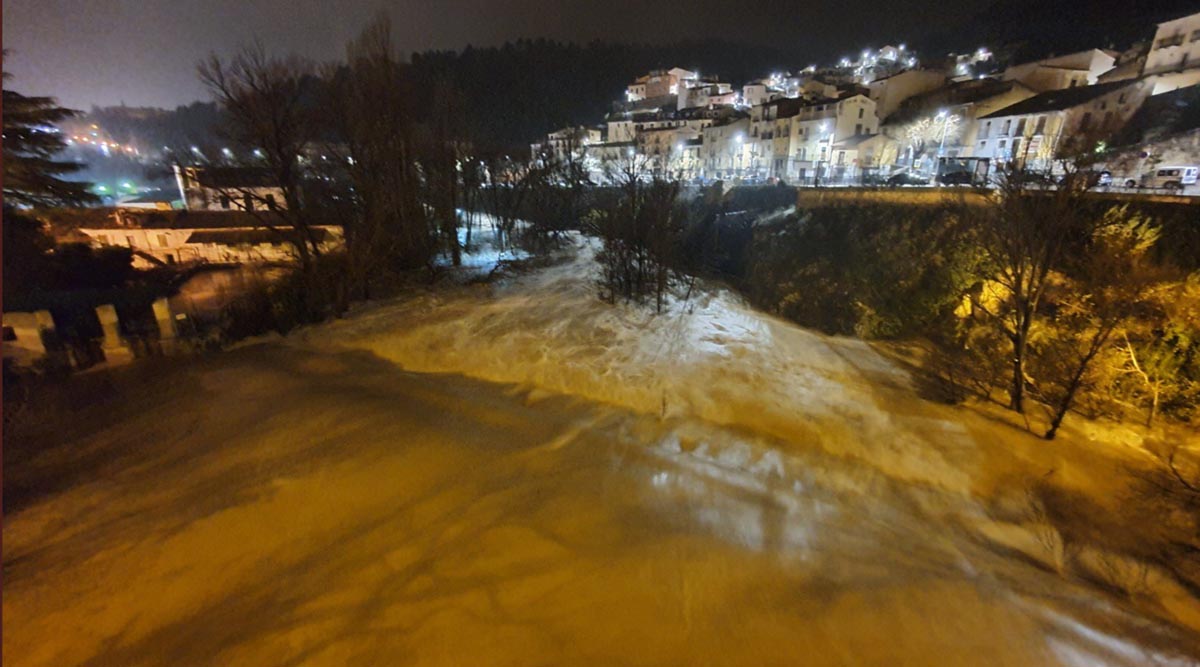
886, 110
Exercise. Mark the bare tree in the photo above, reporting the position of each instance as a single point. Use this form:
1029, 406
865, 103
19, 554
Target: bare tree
441, 163
270, 106
1023, 235
642, 234
1113, 282
374, 113
510, 186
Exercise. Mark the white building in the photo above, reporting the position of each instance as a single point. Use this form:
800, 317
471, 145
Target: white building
660, 83
561, 143
755, 94
824, 139
706, 95
1041, 129
626, 126
1176, 46
668, 149
228, 189
181, 237
890, 92
1069, 71
723, 148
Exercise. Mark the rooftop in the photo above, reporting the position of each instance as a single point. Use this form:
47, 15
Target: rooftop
1057, 100
233, 177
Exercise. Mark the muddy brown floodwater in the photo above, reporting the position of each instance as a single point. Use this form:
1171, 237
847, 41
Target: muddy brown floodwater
279, 505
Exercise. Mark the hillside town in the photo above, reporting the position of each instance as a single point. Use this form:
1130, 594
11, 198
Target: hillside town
883, 118
889, 116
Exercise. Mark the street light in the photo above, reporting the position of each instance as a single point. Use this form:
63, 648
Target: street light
828, 133
945, 118
738, 152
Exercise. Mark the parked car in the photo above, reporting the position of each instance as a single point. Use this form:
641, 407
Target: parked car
905, 178
1089, 179
1171, 178
1031, 179
957, 178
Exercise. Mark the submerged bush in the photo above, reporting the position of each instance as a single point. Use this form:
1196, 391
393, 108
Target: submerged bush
295, 299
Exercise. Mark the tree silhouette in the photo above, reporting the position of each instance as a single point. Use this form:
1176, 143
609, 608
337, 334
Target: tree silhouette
31, 142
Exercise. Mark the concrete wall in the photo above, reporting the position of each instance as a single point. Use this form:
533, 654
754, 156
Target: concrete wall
813, 197
27, 350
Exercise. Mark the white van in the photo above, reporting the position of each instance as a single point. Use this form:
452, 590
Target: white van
1171, 178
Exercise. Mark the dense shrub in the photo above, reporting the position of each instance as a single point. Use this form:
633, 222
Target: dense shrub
877, 271
295, 299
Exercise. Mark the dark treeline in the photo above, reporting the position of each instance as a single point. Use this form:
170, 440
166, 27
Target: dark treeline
519, 91
197, 123
512, 94
1031, 29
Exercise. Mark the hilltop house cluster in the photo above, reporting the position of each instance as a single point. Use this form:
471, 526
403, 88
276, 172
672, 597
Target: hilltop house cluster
887, 110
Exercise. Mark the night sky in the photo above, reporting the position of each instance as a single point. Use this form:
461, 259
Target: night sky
143, 52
